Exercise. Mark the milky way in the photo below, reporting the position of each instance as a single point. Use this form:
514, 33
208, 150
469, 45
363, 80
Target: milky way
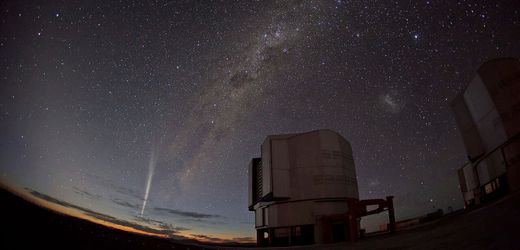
149, 111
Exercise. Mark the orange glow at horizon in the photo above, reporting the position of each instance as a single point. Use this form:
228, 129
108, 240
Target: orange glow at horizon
78, 214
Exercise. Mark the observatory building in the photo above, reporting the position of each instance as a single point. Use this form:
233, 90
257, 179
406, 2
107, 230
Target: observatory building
487, 112
300, 186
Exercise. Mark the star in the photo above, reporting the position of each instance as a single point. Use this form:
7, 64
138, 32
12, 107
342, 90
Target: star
201, 84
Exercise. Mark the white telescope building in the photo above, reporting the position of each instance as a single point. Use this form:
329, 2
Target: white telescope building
299, 186
487, 112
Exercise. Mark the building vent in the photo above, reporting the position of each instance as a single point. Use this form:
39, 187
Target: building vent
257, 179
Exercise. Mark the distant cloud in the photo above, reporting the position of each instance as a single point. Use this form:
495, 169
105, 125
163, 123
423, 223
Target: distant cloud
86, 194
244, 239
201, 221
188, 214
160, 224
60, 202
164, 229
125, 203
156, 226
111, 185
207, 238
127, 191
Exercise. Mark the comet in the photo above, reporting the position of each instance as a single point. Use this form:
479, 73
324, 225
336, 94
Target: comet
149, 178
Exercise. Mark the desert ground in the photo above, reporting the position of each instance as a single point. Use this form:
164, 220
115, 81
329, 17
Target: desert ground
27, 226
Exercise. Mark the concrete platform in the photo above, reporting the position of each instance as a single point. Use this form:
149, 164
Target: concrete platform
494, 226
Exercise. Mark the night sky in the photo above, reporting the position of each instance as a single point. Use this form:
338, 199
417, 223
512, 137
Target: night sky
98, 97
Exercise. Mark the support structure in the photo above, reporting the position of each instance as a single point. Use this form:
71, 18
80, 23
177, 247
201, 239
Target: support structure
358, 208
